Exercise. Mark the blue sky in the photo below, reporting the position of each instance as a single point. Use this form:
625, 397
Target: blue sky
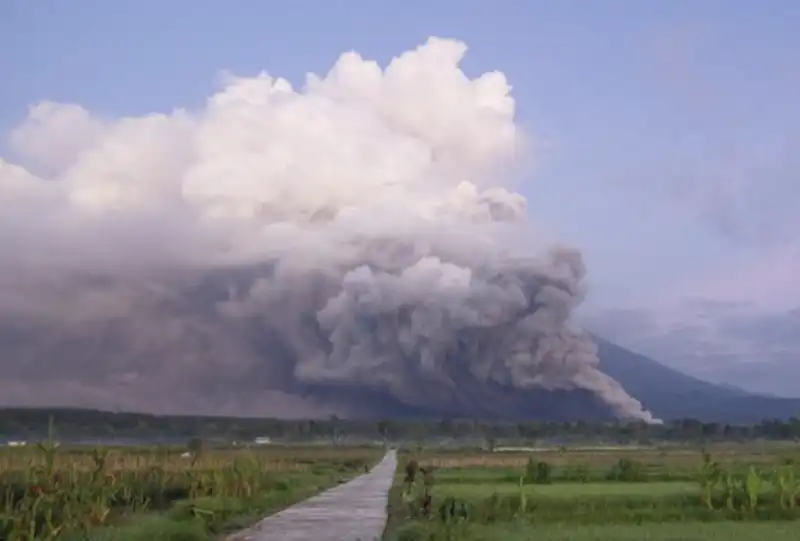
671, 127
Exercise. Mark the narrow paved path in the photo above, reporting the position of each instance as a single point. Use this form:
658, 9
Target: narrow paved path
353, 511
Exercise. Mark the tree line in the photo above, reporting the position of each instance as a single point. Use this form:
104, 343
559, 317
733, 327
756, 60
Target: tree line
19, 423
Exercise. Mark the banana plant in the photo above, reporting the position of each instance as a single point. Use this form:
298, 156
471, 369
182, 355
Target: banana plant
790, 486
49, 448
99, 458
753, 485
730, 486
781, 480
523, 499
710, 473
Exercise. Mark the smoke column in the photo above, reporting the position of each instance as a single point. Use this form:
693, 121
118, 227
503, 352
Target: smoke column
361, 226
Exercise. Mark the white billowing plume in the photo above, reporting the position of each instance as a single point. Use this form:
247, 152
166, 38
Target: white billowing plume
361, 224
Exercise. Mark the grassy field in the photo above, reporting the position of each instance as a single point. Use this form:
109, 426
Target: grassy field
683, 531
732, 492
127, 494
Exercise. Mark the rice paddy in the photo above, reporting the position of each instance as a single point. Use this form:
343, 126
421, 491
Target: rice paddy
731, 491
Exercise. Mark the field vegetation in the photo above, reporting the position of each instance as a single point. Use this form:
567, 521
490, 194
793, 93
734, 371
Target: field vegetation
50, 492
684, 480
729, 491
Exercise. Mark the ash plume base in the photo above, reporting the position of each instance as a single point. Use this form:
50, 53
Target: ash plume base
350, 244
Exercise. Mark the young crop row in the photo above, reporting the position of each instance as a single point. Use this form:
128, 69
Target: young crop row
744, 491
665, 461
624, 470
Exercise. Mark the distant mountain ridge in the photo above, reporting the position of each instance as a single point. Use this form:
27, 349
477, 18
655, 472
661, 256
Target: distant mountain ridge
670, 394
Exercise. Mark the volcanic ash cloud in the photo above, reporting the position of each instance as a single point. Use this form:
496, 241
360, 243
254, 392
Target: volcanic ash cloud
361, 222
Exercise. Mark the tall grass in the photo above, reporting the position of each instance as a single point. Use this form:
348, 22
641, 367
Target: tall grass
48, 492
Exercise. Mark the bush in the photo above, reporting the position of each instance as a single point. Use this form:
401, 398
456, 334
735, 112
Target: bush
627, 470
538, 472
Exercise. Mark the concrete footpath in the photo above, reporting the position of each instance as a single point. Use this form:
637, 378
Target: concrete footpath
353, 511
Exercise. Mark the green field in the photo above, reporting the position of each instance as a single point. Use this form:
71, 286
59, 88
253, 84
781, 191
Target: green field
732, 493
475, 492
683, 531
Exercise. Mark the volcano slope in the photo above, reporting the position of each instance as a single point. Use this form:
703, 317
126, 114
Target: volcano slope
670, 394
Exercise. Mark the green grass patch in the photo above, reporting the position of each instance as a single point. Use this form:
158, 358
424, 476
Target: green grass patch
627, 502
681, 531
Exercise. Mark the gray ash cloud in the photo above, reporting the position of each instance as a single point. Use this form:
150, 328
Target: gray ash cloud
281, 250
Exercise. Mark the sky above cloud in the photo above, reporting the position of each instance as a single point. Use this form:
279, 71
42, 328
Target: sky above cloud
665, 135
